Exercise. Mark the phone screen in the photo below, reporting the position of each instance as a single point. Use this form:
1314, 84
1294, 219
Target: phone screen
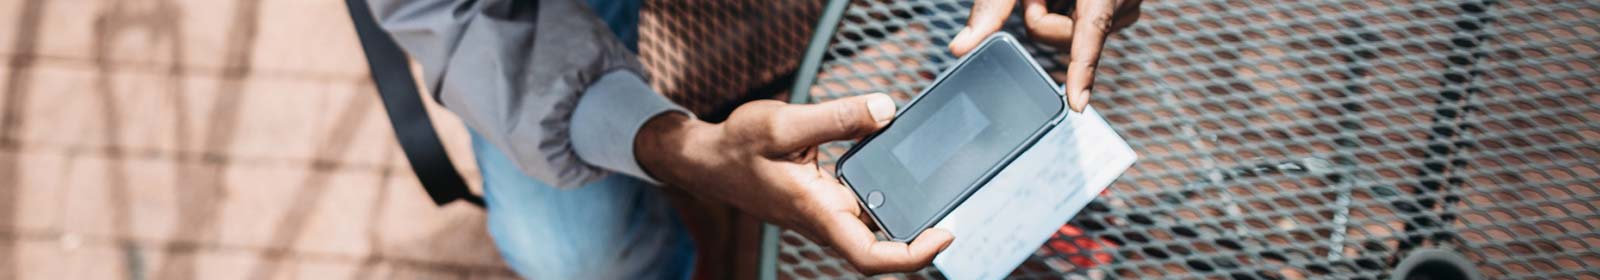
946, 142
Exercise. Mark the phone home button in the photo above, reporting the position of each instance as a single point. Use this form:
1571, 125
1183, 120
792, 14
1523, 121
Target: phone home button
874, 199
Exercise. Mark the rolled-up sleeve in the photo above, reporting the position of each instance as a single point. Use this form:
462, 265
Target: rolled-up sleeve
533, 78
608, 118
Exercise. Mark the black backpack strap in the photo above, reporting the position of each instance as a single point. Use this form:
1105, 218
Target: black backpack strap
413, 128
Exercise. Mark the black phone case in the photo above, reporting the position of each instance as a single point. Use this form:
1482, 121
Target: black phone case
999, 39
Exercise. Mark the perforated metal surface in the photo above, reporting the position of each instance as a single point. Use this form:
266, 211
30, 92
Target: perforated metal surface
712, 55
1300, 140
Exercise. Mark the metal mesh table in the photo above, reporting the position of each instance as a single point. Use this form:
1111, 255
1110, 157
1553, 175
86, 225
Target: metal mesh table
1296, 140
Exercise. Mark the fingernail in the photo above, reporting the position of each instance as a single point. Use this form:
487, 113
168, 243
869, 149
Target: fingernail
1080, 100
881, 107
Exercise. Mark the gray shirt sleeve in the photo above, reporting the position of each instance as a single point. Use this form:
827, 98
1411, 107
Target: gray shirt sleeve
516, 72
608, 118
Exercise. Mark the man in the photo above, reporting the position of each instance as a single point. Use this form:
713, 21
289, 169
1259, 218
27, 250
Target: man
571, 141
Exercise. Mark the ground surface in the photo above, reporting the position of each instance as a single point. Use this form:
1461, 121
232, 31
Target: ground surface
209, 139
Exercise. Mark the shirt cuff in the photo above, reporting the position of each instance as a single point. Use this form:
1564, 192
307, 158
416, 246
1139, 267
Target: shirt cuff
608, 117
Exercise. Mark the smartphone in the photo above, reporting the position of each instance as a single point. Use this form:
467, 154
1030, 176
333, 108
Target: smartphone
952, 138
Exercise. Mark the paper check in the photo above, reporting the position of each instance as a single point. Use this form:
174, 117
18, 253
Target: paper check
1010, 217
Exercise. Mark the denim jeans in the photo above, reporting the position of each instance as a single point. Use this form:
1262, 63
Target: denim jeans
614, 228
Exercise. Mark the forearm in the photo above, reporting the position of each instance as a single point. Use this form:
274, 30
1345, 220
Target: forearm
668, 148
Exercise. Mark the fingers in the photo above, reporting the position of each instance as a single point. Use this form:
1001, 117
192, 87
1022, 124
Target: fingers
805, 126
986, 18
1127, 14
1053, 29
857, 244
1093, 20
866, 219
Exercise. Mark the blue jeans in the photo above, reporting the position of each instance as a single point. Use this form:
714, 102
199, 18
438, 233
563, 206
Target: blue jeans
615, 228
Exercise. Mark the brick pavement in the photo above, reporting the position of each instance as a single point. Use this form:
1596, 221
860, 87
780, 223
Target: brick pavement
210, 139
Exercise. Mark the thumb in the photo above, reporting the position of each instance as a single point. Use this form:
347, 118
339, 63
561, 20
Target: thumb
986, 18
806, 126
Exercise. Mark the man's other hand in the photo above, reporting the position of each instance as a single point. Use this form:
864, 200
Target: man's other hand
1082, 33
763, 161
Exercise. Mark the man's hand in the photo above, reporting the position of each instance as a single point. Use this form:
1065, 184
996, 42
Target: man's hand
1083, 33
763, 161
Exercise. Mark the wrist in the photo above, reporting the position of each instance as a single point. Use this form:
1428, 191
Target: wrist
666, 147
